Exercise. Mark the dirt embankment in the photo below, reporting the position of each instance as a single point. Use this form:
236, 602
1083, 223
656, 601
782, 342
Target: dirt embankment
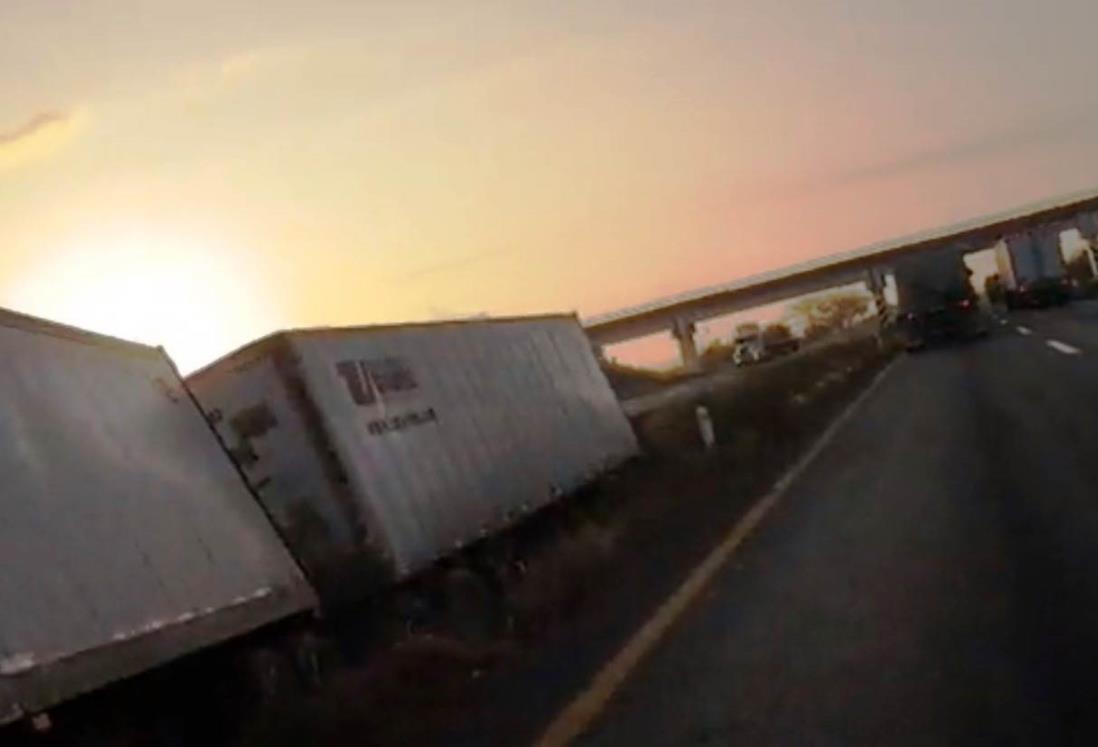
556, 599
628, 382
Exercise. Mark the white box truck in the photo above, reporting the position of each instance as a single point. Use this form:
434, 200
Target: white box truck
127, 536
378, 450
747, 344
1031, 270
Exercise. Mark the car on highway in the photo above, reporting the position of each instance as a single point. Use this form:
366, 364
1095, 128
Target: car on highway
953, 318
1040, 294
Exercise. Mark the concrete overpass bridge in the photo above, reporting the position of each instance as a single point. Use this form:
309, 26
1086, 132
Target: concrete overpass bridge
680, 314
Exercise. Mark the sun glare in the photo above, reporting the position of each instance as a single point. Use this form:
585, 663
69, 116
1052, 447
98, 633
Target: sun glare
188, 296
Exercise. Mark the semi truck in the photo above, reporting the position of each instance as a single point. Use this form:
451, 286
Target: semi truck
935, 300
747, 344
752, 343
1031, 270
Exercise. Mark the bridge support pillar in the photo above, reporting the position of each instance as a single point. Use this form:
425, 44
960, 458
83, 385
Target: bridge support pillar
683, 332
875, 284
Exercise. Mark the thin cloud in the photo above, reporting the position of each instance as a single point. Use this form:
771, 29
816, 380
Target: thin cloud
204, 81
253, 62
454, 265
42, 136
1004, 143
993, 144
36, 123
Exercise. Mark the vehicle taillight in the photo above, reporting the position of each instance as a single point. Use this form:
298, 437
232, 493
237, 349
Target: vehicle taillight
965, 303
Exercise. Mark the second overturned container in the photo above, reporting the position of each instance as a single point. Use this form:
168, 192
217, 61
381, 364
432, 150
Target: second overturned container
377, 450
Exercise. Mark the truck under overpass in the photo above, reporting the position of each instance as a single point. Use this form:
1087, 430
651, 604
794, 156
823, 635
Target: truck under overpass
679, 314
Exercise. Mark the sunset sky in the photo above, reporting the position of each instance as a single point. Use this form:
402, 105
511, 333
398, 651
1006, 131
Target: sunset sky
199, 173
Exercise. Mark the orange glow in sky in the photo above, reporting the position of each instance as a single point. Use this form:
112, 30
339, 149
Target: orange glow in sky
197, 174
146, 284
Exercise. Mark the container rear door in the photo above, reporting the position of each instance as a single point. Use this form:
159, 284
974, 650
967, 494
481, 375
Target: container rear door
1024, 258
1047, 252
124, 522
273, 432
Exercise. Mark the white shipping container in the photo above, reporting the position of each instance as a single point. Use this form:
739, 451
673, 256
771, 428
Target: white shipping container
379, 449
1032, 256
1087, 225
1049, 257
128, 537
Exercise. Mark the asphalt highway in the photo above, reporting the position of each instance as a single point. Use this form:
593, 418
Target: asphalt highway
930, 578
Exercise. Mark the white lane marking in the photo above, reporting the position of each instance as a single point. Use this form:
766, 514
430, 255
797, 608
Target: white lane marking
1063, 347
578, 716
1003, 322
1024, 330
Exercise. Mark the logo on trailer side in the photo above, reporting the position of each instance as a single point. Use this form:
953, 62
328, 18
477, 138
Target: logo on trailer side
378, 382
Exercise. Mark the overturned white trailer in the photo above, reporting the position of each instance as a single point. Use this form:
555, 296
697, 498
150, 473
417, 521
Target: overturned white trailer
377, 450
127, 536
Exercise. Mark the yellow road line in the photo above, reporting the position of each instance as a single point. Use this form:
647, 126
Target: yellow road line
578, 716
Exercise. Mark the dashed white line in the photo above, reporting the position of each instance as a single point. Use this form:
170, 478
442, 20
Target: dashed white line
1063, 347
1024, 330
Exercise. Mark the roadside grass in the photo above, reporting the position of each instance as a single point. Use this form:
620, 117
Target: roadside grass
560, 592
769, 410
